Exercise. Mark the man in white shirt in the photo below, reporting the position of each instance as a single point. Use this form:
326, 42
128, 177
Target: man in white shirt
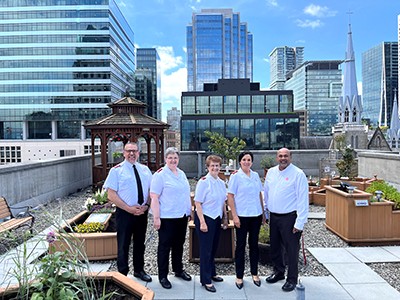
286, 199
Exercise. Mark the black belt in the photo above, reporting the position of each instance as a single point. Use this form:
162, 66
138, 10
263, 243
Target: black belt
282, 215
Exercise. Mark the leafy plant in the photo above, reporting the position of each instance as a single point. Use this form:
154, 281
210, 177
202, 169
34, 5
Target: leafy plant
267, 161
117, 154
99, 199
347, 164
390, 193
226, 148
89, 227
263, 236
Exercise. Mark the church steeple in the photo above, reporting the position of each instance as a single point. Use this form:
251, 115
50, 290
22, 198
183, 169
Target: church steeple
394, 130
350, 106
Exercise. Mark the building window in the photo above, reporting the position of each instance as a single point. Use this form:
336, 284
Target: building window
286, 103
258, 104
215, 104
39, 130
262, 134
243, 104
202, 105
247, 132
68, 129
230, 104
188, 106
277, 134
217, 126
232, 128
87, 149
202, 126
10, 154
272, 104
189, 139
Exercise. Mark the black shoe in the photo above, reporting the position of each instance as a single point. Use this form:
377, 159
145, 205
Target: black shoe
165, 283
185, 276
142, 275
288, 286
210, 288
275, 277
239, 285
257, 282
217, 279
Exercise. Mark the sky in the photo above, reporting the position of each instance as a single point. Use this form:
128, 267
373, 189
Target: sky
321, 27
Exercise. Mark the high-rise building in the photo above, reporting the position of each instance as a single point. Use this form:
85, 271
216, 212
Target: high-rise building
317, 86
148, 80
380, 82
60, 64
283, 60
264, 119
219, 46
174, 118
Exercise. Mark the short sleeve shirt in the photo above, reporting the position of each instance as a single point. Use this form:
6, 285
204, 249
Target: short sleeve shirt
173, 191
122, 180
211, 193
246, 191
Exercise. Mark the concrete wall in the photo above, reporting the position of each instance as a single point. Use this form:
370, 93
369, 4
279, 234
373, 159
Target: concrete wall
385, 165
40, 182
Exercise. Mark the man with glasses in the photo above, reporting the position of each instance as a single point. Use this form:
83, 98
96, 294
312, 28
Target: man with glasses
128, 185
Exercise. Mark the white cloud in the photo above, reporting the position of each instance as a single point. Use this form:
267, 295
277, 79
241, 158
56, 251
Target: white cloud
272, 3
309, 23
319, 11
173, 78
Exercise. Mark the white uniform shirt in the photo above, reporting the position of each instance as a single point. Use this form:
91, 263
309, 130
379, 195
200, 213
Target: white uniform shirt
174, 193
211, 193
122, 180
246, 190
286, 191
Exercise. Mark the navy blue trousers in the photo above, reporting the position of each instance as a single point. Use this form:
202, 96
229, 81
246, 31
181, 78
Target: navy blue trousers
129, 226
171, 237
208, 247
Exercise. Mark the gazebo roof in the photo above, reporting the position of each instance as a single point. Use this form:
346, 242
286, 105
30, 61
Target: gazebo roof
126, 112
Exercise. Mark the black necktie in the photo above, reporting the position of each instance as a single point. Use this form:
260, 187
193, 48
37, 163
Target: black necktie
139, 186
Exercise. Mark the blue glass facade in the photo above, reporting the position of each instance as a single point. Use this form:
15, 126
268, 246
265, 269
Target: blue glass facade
218, 46
237, 108
60, 64
380, 80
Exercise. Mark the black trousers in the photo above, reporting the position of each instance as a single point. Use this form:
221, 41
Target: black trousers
250, 226
282, 239
171, 237
208, 247
129, 226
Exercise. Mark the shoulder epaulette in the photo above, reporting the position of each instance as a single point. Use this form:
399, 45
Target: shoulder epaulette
203, 178
234, 172
159, 170
117, 166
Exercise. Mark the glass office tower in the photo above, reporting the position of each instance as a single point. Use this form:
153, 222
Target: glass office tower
317, 86
380, 79
148, 67
219, 46
60, 64
283, 60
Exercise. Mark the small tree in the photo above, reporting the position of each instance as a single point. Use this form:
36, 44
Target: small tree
226, 148
347, 163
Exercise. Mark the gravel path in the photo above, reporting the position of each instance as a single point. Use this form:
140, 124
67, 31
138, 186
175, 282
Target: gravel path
315, 235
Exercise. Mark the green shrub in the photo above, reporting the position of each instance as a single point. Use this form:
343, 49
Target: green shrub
389, 192
263, 236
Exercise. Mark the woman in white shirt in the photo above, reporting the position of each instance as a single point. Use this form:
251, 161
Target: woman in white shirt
210, 197
245, 201
171, 207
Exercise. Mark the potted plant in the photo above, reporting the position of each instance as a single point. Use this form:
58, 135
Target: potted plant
263, 245
267, 161
117, 157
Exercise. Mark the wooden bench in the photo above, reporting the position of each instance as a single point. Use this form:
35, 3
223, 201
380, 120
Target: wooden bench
9, 221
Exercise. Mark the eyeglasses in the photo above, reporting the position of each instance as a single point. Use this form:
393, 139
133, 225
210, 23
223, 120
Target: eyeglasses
132, 151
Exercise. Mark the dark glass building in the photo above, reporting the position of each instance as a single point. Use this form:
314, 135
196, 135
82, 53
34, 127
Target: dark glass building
218, 46
238, 108
61, 62
148, 80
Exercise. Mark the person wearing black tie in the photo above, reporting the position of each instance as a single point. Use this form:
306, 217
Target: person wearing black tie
128, 185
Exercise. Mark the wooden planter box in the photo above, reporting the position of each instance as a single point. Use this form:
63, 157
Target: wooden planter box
374, 224
319, 197
226, 246
130, 286
96, 246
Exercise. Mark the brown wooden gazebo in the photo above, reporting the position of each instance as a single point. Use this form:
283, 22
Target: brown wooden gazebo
127, 123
